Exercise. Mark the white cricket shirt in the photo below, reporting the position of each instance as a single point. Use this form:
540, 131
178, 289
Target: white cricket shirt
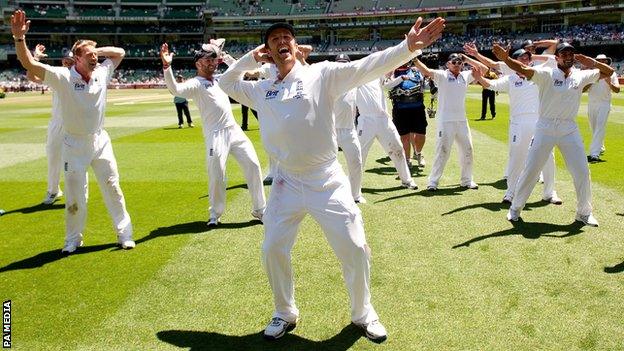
370, 99
213, 104
600, 92
523, 96
82, 104
344, 110
559, 96
451, 94
296, 113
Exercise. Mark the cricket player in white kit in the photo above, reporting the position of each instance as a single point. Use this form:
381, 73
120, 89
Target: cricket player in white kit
374, 123
560, 96
298, 131
524, 112
452, 125
598, 109
54, 138
222, 135
346, 136
82, 94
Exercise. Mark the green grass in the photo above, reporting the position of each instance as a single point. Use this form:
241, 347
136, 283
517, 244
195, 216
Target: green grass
448, 271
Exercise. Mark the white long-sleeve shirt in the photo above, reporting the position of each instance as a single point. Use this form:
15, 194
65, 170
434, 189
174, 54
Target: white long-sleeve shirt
371, 100
296, 113
523, 96
214, 105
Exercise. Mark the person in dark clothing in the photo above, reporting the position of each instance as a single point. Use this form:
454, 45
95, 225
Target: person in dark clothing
181, 105
245, 109
488, 95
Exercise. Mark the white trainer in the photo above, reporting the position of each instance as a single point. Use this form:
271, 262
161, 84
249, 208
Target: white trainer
553, 199
513, 215
277, 328
374, 331
432, 188
420, 159
51, 197
126, 243
471, 185
71, 246
360, 200
589, 220
257, 214
213, 222
410, 185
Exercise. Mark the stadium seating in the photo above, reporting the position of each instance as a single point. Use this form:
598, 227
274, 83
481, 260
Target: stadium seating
310, 7
348, 6
94, 11
138, 12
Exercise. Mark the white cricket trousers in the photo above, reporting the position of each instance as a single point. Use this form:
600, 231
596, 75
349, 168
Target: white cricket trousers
348, 141
565, 135
219, 144
598, 114
95, 150
382, 129
520, 136
324, 193
447, 133
54, 146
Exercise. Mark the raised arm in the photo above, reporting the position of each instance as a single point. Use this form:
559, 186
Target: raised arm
185, 89
474, 63
613, 83
605, 70
38, 55
423, 68
390, 82
344, 76
19, 28
232, 82
550, 45
113, 53
471, 49
503, 55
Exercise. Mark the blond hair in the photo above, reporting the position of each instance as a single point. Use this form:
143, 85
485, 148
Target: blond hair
80, 44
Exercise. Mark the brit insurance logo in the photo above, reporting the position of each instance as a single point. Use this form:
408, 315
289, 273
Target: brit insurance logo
271, 94
518, 83
558, 83
79, 86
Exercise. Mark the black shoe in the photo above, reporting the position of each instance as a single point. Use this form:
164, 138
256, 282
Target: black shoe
482, 119
592, 159
244, 127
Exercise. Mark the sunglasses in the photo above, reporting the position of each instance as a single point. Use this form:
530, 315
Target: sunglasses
457, 62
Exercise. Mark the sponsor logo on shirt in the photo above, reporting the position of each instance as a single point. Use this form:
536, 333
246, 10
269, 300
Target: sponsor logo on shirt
558, 83
518, 83
271, 94
79, 86
451, 79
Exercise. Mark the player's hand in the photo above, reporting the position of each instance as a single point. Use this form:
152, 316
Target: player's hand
585, 60
471, 49
405, 77
19, 24
165, 55
500, 52
476, 72
40, 52
303, 51
419, 38
261, 54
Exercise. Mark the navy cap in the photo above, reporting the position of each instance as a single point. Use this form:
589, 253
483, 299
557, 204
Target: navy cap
564, 46
343, 58
526, 43
519, 53
279, 25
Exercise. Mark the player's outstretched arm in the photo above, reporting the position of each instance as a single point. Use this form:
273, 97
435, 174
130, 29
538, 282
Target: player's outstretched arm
423, 68
471, 49
185, 89
503, 55
19, 28
605, 70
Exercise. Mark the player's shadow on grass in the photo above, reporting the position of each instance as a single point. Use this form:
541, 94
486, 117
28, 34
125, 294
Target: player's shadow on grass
530, 230
618, 268
384, 160
193, 228
41, 259
496, 206
425, 193
500, 184
35, 208
198, 340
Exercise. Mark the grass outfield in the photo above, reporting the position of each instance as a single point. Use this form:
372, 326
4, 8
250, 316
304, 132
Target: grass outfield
448, 271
